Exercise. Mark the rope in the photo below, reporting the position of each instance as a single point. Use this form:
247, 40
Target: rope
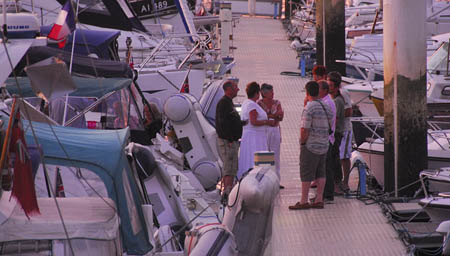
290, 73
179, 231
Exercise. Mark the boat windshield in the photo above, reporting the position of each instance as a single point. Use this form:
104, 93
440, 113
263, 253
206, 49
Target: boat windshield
94, 6
438, 61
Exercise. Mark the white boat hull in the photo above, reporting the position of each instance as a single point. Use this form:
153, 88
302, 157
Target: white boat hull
437, 207
438, 180
374, 157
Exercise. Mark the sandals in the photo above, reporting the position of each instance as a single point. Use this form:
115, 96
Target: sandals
299, 206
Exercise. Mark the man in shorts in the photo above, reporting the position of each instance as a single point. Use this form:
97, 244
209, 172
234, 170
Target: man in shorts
229, 131
345, 149
314, 142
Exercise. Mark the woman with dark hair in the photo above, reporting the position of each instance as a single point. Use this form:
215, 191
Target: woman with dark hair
254, 135
275, 112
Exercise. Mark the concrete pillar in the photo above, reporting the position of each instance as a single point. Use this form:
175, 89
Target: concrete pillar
330, 24
225, 28
405, 109
251, 7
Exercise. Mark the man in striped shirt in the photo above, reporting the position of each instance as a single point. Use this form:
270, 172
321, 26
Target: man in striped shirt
314, 132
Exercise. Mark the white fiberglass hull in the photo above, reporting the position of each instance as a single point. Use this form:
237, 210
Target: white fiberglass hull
437, 207
374, 157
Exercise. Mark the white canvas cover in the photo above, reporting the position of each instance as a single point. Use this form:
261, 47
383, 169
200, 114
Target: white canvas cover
16, 50
84, 217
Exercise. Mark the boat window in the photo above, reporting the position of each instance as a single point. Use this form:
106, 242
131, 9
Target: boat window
131, 204
122, 112
95, 6
68, 181
438, 60
446, 90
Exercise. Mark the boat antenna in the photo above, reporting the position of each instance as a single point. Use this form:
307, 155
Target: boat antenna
71, 60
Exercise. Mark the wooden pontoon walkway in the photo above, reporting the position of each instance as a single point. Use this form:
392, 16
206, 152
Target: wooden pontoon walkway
346, 227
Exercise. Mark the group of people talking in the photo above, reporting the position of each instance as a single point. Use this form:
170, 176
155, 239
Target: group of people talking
257, 128
325, 135
325, 140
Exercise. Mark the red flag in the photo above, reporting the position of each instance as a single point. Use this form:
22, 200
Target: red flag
185, 86
23, 184
59, 184
64, 24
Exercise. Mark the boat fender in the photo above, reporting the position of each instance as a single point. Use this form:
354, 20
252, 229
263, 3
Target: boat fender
210, 239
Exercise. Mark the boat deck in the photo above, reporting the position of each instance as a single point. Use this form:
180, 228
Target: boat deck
346, 227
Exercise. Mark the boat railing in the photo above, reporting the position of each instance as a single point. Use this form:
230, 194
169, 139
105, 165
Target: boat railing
370, 66
372, 124
435, 131
165, 42
363, 52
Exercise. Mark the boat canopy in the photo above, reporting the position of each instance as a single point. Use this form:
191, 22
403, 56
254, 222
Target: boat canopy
17, 49
81, 64
86, 87
89, 41
102, 152
116, 14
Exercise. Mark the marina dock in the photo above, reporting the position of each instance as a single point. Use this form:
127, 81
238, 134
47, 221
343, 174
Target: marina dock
345, 227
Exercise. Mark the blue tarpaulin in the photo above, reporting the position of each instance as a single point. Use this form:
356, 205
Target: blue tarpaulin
97, 41
86, 87
102, 152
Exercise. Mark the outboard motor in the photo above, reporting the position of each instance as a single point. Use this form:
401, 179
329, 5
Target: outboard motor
21, 25
210, 239
250, 206
196, 137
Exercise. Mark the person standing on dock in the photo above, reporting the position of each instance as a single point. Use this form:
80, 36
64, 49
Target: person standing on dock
229, 131
314, 143
333, 148
275, 8
319, 72
345, 149
254, 135
274, 111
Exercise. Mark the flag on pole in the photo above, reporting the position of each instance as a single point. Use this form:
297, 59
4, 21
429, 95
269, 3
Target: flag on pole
64, 24
185, 86
23, 183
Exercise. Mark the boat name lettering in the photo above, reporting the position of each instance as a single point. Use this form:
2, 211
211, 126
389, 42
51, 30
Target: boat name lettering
18, 27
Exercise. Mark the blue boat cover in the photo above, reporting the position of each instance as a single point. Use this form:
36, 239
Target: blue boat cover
86, 87
97, 41
101, 151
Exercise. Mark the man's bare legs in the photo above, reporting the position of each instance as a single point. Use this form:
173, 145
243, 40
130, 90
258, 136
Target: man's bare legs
305, 192
320, 187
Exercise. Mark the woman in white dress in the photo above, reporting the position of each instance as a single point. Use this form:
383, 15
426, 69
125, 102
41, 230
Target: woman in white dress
274, 111
254, 134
